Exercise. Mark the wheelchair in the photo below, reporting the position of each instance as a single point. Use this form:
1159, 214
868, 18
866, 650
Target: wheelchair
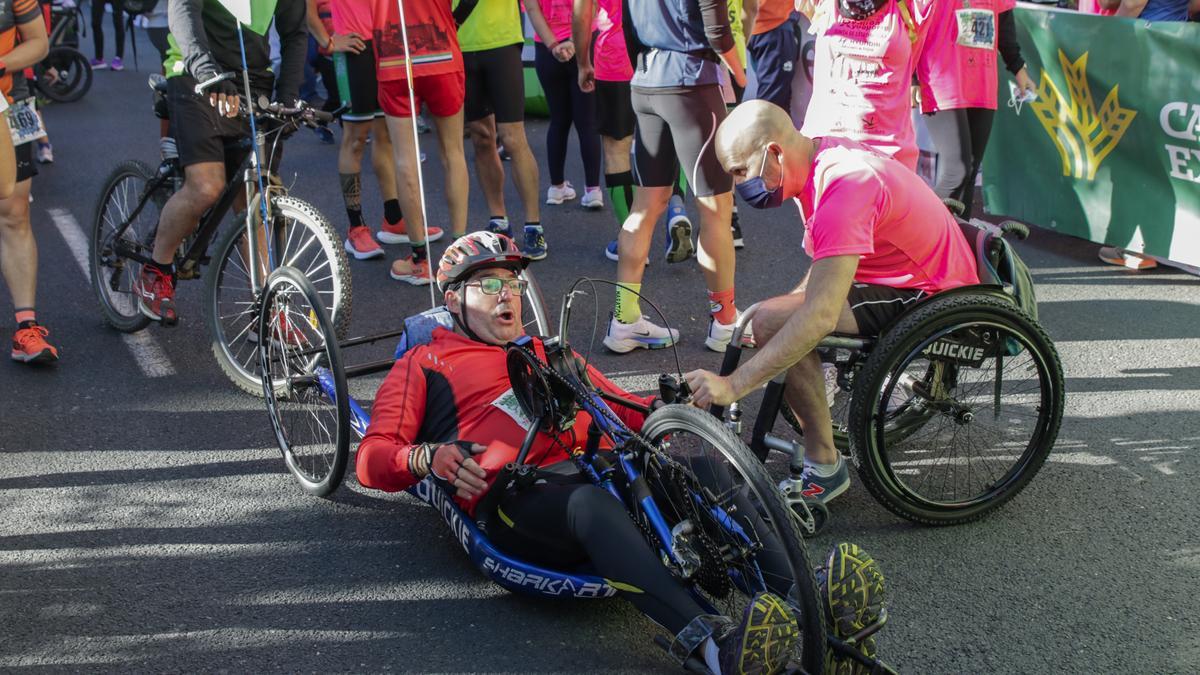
947, 414
707, 536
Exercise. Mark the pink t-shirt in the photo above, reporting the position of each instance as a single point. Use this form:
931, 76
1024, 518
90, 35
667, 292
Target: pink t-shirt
558, 15
352, 16
1093, 7
957, 68
609, 55
862, 72
859, 202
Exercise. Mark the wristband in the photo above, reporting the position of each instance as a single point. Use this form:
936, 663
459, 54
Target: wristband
420, 459
328, 42
553, 46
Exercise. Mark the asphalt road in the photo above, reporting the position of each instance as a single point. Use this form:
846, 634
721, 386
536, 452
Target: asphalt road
148, 524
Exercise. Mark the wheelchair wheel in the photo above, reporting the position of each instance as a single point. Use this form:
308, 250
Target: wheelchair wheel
303, 381
113, 276
704, 474
979, 405
74, 75
303, 240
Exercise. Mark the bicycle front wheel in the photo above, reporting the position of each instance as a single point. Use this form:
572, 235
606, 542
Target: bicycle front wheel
301, 238
730, 523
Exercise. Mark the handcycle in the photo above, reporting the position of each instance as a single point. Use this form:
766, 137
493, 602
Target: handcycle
947, 414
64, 75
126, 222
707, 535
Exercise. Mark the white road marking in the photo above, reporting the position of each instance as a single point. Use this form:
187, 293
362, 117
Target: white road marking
147, 352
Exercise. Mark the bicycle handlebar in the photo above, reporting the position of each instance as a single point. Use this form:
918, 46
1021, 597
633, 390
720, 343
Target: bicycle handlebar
201, 87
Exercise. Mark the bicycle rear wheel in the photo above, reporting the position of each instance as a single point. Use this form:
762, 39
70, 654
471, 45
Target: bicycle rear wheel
113, 276
982, 405
303, 382
718, 499
301, 239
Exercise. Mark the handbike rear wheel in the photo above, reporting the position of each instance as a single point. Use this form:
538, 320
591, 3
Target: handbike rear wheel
74, 75
983, 405
696, 442
303, 382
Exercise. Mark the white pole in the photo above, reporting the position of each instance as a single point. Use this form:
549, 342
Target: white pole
416, 147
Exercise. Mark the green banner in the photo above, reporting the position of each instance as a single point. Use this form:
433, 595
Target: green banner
1110, 150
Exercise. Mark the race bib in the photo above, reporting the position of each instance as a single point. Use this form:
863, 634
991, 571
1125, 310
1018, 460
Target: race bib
24, 123
976, 28
508, 404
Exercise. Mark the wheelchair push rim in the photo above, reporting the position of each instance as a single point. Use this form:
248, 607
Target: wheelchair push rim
980, 409
304, 382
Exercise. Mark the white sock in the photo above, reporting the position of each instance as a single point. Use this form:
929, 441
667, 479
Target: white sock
712, 655
823, 470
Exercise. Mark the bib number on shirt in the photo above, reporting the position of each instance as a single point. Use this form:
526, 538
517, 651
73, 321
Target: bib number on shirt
508, 404
23, 122
976, 28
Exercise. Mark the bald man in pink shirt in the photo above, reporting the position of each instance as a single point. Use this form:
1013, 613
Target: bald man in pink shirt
880, 240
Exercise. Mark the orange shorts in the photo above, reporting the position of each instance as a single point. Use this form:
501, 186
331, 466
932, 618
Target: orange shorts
442, 94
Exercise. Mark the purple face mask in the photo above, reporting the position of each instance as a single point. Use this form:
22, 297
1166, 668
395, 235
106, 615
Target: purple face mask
755, 193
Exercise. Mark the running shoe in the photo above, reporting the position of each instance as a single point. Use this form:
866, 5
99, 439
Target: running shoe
29, 345
535, 242
505, 155
736, 225
283, 334
679, 232
361, 245
499, 226
719, 334
422, 125
156, 295
99, 64
610, 252
852, 588
593, 199
558, 194
324, 134
1122, 258
824, 488
641, 334
398, 233
117, 64
763, 641
45, 153
411, 272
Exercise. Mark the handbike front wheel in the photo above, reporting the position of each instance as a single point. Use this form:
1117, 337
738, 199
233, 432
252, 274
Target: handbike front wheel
740, 537
300, 238
982, 405
303, 382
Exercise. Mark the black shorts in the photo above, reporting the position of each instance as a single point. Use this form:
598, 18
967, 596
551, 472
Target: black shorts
495, 84
677, 127
875, 307
26, 169
357, 84
614, 109
200, 133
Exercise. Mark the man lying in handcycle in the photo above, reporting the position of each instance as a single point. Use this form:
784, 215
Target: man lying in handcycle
880, 240
456, 388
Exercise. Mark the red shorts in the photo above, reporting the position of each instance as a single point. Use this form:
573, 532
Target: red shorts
443, 94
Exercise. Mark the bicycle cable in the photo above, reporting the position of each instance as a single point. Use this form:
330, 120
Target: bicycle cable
262, 202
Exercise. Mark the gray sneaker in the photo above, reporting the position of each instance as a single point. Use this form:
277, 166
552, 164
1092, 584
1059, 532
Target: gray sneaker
824, 488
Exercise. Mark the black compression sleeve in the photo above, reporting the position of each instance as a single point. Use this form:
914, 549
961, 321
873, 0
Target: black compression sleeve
293, 48
187, 25
715, 14
1006, 43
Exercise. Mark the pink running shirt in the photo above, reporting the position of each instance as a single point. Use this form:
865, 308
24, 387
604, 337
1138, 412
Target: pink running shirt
858, 201
352, 16
558, 15
957, 68
1093, 7
862, 73
609, 55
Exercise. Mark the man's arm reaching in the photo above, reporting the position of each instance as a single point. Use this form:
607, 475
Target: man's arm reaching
184, 17
383, 455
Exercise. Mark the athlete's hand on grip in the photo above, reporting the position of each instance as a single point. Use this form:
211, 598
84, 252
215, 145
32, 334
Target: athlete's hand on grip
709, 389
455, 464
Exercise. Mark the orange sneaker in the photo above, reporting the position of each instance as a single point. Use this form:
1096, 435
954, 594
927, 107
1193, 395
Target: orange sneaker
156, 295
411, 272
1122, 258
398, 233
30, 346
360, 244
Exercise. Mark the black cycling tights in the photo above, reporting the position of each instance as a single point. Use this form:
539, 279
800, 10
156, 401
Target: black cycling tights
961, 136
568, 105
118, 21
561, 526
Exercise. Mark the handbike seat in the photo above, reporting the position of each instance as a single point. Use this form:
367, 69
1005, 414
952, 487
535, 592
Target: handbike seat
418, 329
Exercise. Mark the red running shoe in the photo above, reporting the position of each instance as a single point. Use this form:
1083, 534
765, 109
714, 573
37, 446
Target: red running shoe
360, 244
30, 346
156, 295
398, 233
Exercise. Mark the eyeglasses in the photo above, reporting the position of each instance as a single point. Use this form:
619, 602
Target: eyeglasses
493, 285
